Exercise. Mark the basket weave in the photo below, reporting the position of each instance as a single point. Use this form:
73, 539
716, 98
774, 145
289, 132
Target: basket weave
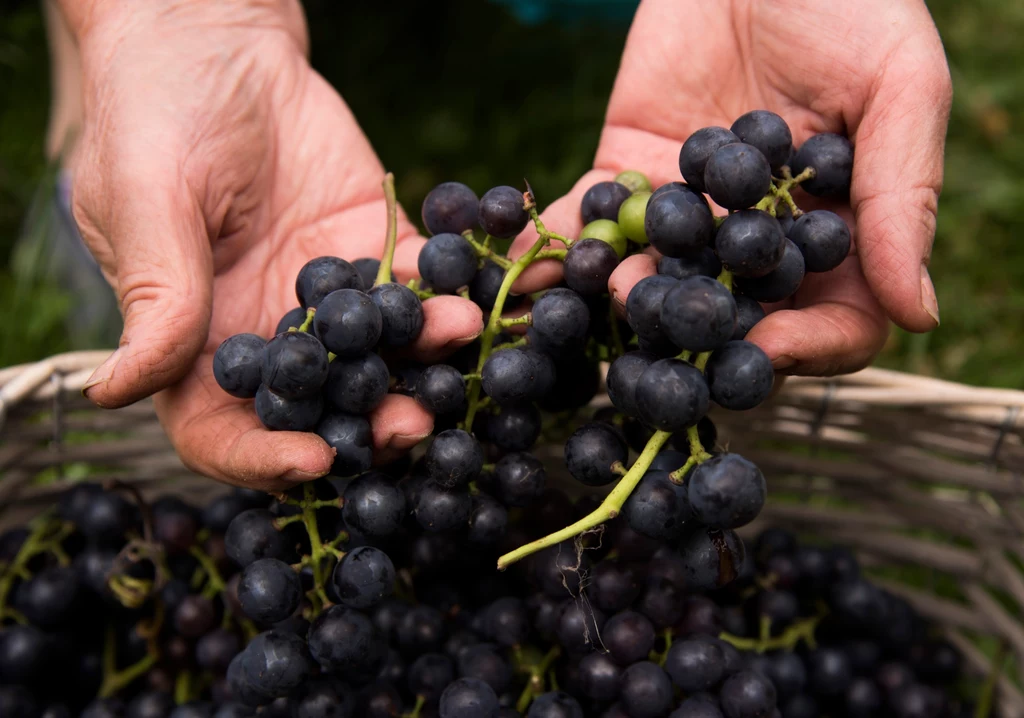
910, 471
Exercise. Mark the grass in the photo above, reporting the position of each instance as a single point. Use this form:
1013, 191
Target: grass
515, 101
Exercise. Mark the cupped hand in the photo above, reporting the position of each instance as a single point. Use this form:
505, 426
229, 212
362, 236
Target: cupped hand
214, 162
874, 70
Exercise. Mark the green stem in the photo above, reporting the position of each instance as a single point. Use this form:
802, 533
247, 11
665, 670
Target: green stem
115, 680
535, 684
988, 689
415, 712
183, 687
304, 327
471, 377
726, 278
802, 630
525, 319
702, 361
660, 657
484, 250
214, 582
515, 343
558, 254
391, 234
609, 508
317, 552
37, 541
494, 323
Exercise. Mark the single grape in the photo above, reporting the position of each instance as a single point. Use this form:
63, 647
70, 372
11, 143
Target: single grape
468, 698
609, 232
823, 238
322, 697
482, 661
151, 704
672, 187
26, 654
364, 577
737, 176
506, 621
786, 671
705, 264
671, 395
374, 506
519, 478
644, 306
348, 322
700, 705
280, 414
588, 265
48, 599
357, 385
451, 207
747, 695
368, 267
488, 520
780, 283
401, 314
726, 491
513, 428
269, 590
602, 201
484, 288
591, 452
634, 181
697, 150
351, 438
447, 262
441, 389
294, 365
555, 704
658, 507
917, 701
503, 213
292, 320
561, 319
454, 458
699, 314
236, 364
750, 243
863, 699
341, 639
711, 558
623, 375
194, 616
695, 664
629, 637
599, 677
99, 708
739, 375
831, 156
829, 674
323, 275
632, 213
421, 629
767, 132
428, 676
515, 376
748, 313
579, 627
646, 691
215, 650
679, 223
614, 586
442, 510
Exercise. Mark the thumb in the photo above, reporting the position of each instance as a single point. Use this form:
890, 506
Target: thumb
897, 177
160, 266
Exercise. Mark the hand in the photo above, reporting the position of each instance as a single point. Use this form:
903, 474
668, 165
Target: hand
213, 164
874, 70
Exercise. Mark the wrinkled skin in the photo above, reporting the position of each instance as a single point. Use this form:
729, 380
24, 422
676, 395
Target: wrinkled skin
873, 69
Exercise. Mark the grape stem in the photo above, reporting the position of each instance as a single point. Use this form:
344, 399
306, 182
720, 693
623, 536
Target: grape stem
558, 254
310, 313
988, 689
114, 680
780, 191
609, 508
318, 549
46, 535
802, 630
416, 709
484, 250
525, 319
391, 235
535, 683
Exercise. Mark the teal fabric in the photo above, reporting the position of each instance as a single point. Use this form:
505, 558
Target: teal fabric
571, 11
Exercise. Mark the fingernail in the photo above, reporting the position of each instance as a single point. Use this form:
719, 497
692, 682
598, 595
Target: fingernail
928, 299
103, 373
463, 341
404, 442
783, 362
298, 475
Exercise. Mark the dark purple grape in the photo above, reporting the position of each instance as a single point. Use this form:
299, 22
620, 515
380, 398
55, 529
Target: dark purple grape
588, 265
646, 691
236, 364
658, 507
780, 283
454, 458
829, 673
513, 428
26, 653
519, 478
697, 150
468, 698
669, 460
429, 675
863, 699
831, 156
447, 262
280, 414
516, 376
747, 695
679, 223
401, 314
705, 264
614, 586
591, 452
788, 674
671, 187
48, 599
323, 275
695, 664
151, 704
374, 505
726, 491
823, 238
767, 132
599, 677
251, 536
194, 616
292, 320
700, 705
341, 639
483, 662
917, 701
368, 267
602, 201
269, 590
357, 385
322, 697
506, 621
557, 570
629, 637
737, 176
503, 212
348, 322
711, 559
487, 520
99, 708
750, 243
560, 320
555, 704
622, 378
351, 438
421, 629
484, 288
748, 313
439, 509
579, 627
644, 305
294, 365
441, 389
215, 650
699, 314
450, 207
364, 577
739, 376
274, 664
671, 395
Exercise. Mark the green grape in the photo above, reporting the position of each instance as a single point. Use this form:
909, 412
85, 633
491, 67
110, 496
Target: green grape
635, 181
631, 217
608, 232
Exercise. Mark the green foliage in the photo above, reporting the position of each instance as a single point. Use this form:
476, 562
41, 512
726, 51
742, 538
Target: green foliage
463, 91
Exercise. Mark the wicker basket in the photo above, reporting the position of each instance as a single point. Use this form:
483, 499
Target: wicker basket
913, 472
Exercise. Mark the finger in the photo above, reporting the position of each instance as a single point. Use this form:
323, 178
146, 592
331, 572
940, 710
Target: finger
562, 217
630, 271
897, 176
836, 326
163, 280
399, 423
221, 437
449, 322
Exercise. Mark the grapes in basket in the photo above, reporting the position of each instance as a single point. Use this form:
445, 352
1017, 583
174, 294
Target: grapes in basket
478, 578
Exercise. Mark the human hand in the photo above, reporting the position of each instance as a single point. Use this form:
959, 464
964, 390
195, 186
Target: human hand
213, 164
874, 70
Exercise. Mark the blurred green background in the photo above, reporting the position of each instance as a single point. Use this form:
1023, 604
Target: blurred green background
470, 91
